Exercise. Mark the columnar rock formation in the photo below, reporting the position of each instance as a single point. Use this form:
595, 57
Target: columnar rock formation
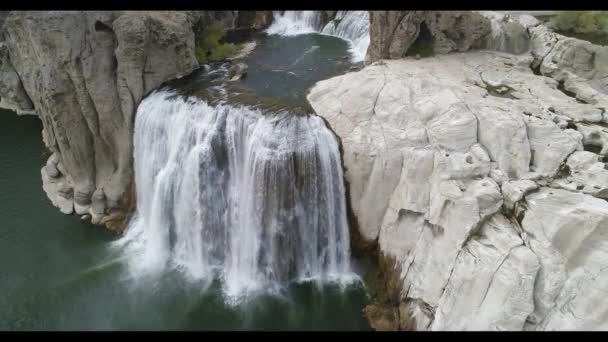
483, 183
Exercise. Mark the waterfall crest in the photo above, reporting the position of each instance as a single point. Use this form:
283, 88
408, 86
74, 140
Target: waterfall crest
352, 26
229, 192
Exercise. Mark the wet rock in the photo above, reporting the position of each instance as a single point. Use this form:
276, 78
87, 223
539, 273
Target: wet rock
382, 318
237, 71
51, 170
98, 206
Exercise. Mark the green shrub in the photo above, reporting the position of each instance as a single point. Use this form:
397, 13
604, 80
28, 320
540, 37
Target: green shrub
585, 22
602, 21
581, 21
565, 21
208, 45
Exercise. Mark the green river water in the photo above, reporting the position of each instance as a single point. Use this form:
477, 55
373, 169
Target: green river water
60, 273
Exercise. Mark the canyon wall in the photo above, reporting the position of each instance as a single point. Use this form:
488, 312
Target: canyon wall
84, 73
480, 175
482, 178
393, 33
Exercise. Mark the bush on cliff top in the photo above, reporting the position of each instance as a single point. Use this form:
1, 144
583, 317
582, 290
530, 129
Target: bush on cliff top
208, 45
581, 21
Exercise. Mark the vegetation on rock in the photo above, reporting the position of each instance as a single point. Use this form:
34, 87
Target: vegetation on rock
209, 46
581, 21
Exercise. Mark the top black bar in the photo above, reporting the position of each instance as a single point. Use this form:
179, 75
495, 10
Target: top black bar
514, 5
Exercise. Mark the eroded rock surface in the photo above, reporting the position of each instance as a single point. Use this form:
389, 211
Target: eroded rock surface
394, 33
84, 73
470, 170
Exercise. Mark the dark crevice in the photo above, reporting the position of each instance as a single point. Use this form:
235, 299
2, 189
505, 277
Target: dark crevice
564, 171
536, 70
592, 148
101, 27
561, 87
423, 45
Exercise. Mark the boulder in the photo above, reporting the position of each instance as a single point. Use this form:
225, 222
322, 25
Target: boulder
237, 71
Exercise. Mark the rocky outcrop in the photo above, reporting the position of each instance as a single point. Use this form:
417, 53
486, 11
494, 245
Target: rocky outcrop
472, 173
85, 73
236, 20
393, 34
227, 19
254, 20
579, 66
12, 93
3, 15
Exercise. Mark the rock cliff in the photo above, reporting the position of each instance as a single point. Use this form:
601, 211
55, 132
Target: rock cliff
84, 73
481, 178
395, 33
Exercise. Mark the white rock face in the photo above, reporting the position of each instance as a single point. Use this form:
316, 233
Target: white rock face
492, 283
582, 67
514, 191
445, 157
567, 231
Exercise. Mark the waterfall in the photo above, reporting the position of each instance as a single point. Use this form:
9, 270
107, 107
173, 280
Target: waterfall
352, 26
289, 23
228, 192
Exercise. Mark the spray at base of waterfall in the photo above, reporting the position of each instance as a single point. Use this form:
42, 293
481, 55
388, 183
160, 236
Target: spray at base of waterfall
225, 192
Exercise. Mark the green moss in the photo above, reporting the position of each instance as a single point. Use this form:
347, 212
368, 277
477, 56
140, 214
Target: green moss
500, 90
210, 48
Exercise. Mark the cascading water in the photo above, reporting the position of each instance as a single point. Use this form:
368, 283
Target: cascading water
256, 200
289, 23
352, 26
